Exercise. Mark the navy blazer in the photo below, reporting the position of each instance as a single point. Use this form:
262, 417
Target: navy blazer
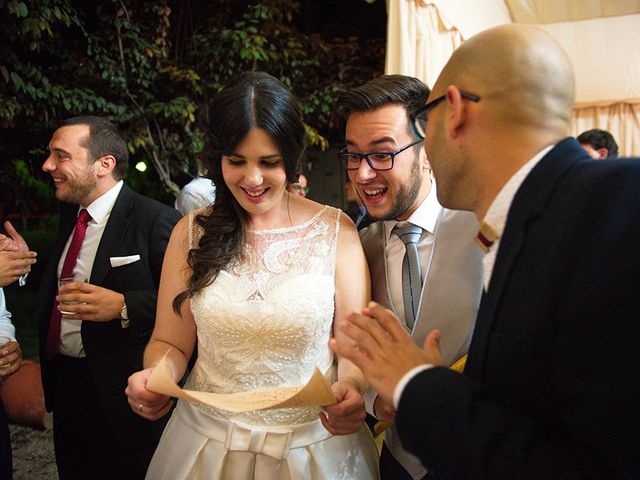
551, 386
137, 225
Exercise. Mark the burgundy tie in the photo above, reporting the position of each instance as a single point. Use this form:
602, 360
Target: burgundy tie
53, 337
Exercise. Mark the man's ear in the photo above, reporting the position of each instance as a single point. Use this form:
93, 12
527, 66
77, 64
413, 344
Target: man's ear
105, 165
603, 152
423, 159
457, 113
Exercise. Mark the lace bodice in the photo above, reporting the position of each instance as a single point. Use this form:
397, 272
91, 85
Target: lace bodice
266, 320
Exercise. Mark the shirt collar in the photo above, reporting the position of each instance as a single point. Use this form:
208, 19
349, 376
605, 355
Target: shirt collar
496, 216
425, 216
101, 207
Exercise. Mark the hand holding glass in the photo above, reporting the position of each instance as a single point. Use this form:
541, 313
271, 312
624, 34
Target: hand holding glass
65, 281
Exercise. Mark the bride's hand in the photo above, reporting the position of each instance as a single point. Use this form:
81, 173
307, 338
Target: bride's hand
347, 415
146, 403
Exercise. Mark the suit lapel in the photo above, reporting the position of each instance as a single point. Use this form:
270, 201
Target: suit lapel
452, 285
528, 203
374, 244
113, 235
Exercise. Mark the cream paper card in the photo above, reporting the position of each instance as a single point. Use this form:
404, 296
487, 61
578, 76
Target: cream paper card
317, 392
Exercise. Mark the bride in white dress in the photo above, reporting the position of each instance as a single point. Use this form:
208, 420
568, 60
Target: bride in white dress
258, 280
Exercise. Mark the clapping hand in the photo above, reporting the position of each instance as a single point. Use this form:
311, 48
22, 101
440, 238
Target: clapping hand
383, 349
15, 257
14, 242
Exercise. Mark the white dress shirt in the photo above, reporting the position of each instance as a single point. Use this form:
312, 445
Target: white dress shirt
100, 210
7, 330
425, 217
199, 192
496, 217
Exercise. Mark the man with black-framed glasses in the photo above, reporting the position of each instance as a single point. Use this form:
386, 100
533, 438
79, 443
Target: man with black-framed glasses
550, 389
423, 263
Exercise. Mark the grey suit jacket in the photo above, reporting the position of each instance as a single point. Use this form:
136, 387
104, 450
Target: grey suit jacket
450, 295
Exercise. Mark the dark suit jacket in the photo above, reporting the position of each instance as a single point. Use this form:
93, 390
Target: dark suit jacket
551, 388
137, 225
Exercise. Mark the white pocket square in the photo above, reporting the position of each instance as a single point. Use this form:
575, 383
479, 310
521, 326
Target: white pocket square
120, 261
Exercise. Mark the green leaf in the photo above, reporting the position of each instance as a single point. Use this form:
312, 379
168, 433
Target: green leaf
17, 81
23, 10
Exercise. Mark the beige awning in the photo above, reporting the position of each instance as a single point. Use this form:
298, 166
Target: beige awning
602, 37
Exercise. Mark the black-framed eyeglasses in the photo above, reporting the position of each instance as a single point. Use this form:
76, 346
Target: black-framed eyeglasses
379, 161
420, 117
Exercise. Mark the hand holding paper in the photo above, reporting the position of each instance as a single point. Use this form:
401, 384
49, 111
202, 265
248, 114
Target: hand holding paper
317, 392
144, 402
347, 415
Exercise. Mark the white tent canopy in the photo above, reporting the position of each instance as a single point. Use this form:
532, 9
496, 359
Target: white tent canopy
602, 38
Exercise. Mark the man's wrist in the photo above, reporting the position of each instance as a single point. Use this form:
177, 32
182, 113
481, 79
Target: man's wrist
354, 383
404, 381
124, 315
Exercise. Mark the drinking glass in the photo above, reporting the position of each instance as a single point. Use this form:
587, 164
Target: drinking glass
63, 281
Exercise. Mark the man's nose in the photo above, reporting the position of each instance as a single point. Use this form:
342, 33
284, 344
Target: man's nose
49, 164
364, 171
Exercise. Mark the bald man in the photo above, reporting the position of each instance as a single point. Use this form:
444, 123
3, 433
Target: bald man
551, 385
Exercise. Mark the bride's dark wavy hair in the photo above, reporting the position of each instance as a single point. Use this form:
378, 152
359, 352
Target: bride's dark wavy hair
253, 100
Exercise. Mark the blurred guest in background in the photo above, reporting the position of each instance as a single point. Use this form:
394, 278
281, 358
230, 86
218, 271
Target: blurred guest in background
599, 144
299, 187
199, 192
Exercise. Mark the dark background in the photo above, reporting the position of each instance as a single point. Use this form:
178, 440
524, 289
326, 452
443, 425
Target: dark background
152, 66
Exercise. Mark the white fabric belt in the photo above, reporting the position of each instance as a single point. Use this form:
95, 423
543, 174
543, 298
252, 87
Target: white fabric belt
271, 441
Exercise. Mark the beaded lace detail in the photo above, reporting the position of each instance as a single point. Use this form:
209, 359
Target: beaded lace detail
266, 320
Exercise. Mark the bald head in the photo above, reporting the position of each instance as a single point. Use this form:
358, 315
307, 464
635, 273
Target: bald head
524, 77
524, 82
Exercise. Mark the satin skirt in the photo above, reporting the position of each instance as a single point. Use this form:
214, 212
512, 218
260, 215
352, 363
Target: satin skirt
196, 445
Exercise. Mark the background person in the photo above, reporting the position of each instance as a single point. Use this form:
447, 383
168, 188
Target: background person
198, 193
300, 187
599, 144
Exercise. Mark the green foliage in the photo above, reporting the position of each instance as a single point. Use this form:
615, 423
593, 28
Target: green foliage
26, 179
152, 67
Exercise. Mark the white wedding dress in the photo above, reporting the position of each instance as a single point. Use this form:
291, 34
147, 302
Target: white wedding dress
265, 322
